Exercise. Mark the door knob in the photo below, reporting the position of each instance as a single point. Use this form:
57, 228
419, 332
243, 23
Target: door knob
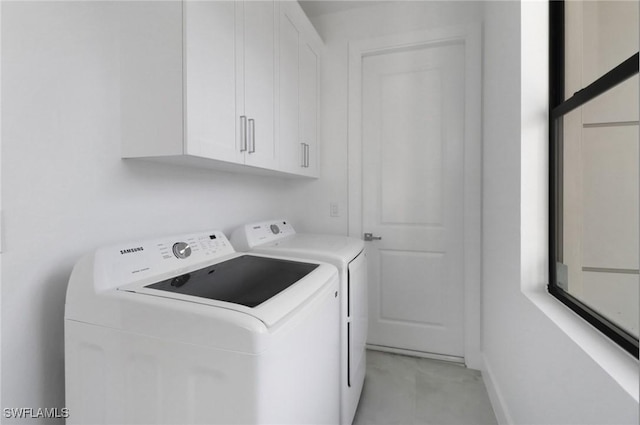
368, 237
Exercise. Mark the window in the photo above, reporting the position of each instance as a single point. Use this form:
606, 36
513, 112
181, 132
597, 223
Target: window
594, 179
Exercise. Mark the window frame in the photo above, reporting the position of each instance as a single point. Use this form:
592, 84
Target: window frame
558, 107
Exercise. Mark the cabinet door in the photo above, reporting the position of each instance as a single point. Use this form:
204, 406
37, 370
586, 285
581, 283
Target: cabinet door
290, 148
150, 38
259, 81
212, 127
308, 106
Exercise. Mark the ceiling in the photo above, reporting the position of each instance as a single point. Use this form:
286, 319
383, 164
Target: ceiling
322, 7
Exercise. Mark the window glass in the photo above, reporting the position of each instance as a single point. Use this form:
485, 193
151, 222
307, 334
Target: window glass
600, 215
599, 35
594, 158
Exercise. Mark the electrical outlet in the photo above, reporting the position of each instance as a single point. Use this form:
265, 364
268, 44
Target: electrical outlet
334, 209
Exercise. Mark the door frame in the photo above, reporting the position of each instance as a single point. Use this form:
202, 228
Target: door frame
470, 37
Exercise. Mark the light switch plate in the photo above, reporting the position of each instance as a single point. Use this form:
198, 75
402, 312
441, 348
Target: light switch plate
334, 209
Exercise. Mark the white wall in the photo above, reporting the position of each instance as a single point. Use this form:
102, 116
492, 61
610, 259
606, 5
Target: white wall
337, 29
538, 366
65, 190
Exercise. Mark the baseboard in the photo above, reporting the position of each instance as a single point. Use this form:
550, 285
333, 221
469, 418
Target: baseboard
414, 353
495, 395
474, 360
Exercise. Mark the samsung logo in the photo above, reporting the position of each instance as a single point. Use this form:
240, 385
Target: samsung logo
131, 250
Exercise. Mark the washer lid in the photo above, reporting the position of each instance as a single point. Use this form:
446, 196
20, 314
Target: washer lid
263, 287
247, 280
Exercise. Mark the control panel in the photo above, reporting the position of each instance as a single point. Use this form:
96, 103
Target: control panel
126, 263
251, 235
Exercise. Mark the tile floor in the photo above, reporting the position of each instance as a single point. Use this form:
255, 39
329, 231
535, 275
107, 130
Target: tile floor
409, 391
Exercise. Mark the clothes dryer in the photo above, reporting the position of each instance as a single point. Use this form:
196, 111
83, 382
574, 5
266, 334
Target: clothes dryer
186, 330
278, 237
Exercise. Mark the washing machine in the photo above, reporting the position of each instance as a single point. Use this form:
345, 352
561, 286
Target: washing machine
278, 237
186, 330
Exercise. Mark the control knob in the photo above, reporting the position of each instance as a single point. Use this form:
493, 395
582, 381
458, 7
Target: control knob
181, 250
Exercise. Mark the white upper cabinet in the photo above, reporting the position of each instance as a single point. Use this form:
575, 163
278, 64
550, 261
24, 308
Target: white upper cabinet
299, 69
212, 108
202, 85
308, 106
292, 150
259, 89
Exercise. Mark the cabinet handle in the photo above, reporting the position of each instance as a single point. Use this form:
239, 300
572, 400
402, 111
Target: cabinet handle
243, 133
252, 135
306, 157
302, 155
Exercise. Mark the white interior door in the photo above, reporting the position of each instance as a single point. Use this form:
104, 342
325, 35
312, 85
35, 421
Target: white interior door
413, 196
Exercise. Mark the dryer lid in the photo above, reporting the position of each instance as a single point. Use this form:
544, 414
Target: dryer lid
333, 249
279, 237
